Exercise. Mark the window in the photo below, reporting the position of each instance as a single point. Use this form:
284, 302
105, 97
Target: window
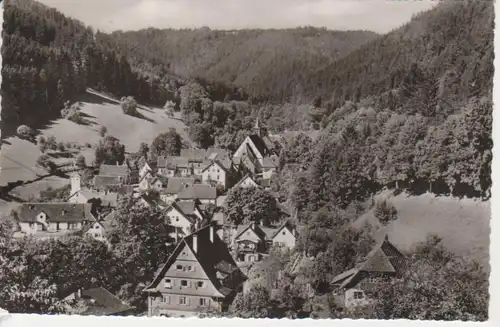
283, 233
203, 302
217, 177
182, 300
358, 295
184, 283
96, 235
179, 267
96, 226
200, 284
167, 283
190, 268
165, 299
176, 218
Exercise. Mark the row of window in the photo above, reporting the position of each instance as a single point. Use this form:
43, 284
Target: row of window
183, 300
169, 283
185, 268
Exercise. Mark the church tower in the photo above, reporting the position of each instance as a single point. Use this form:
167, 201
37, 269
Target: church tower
256, 129
75, 183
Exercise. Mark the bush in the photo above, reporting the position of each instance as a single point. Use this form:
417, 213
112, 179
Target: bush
60, 146
80, 161
51, 142
102, 131
385, 212
25, 132
129, 105
45, 162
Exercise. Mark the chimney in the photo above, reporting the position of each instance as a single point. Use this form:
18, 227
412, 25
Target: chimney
195, 243
261, 222
78, 294
117, 163
211, 229
252, 225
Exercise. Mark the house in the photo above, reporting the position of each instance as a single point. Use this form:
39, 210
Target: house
98, 302
246, 181
121, 171
254, 144
199, 276
174, 186
54, 219
184, 216
217, 153
102, 182
269, 167
85, 195
95, 230
249, 243
174, 166
144, 169
217, 172
252, 240
383, 263
150, 182
284, 237
205, 193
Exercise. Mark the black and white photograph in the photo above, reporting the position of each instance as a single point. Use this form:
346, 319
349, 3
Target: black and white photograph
324, 159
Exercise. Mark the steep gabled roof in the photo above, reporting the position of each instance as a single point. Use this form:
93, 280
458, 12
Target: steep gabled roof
103, 303
218, 163
197, 155
214, 258
107, 199
186, 208
259, 231
247, 176
114, 170
384, 257
285, 225
176, 184
56, 212
260, 144
101, 181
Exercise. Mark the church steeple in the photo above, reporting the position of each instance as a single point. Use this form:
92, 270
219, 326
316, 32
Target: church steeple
256, 129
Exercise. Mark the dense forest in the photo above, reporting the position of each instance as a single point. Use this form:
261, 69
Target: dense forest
267, 64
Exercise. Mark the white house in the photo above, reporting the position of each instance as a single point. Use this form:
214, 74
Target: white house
215, 173
46, 218
246, 181
184, 216
95, 230
285, 237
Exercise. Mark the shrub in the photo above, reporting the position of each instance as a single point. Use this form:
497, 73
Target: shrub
80, 161
102, 131
26, 132
385, 212
51, 142
129, 105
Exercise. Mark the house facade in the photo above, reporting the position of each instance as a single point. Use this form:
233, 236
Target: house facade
247, 181
184, 216
355, 287
199, 276
43, 219
215, 173
206, 194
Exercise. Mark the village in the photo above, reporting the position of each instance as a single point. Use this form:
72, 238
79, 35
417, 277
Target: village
213, 257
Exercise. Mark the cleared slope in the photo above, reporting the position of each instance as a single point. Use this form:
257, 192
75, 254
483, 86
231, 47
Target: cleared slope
463, 224
19, 156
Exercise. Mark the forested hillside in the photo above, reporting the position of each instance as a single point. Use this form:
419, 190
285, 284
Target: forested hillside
267, 64
48, 59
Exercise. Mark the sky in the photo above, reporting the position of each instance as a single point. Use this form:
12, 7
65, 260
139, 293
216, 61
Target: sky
109, 15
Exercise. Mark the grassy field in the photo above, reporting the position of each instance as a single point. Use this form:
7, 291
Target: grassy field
19, 156
463, 224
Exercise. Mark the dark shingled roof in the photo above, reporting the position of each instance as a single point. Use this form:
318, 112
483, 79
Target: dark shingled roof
187, 208
104, 303
176, 184
198, 191
56, 212
101, 181
197, 155
113, 170
260, 144
214, 258
383, 258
